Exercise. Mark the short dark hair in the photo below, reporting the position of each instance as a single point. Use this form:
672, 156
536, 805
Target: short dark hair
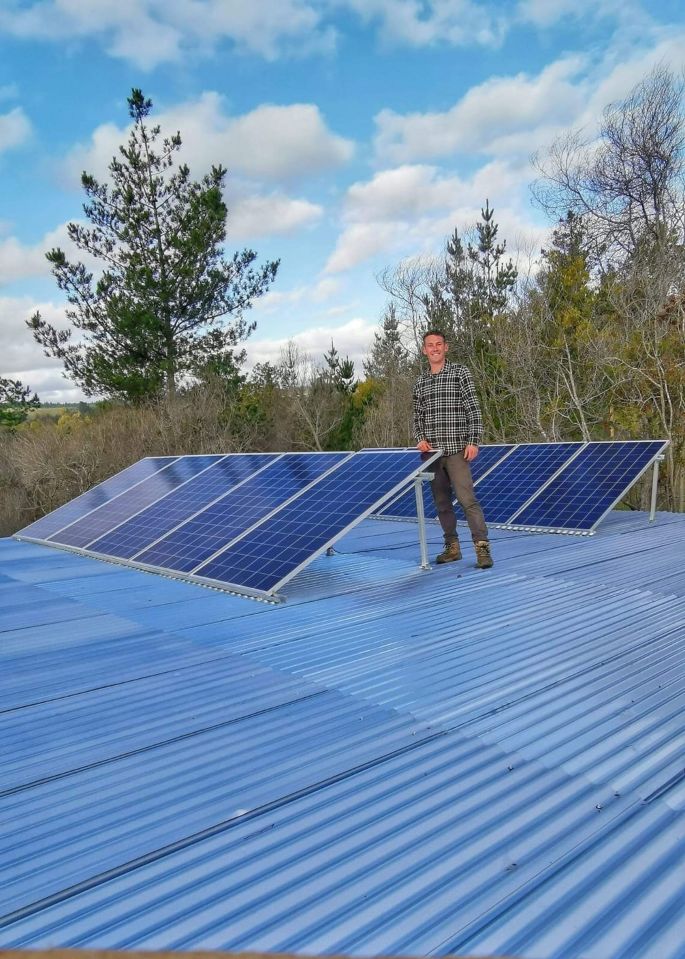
434, 333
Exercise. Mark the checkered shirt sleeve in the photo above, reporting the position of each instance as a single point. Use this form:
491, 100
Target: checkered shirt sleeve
446, 409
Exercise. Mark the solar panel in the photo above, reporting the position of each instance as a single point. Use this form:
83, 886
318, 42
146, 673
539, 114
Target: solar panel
270, 554
106, 517
588, 487
514, 479
156, 521
203, 535
93, 498
404, 505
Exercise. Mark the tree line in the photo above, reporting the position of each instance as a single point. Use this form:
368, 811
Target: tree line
587, 343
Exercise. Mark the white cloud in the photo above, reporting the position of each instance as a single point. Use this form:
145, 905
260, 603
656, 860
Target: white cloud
512, 116
274, 143
22, 358
453, 22
620, 73
412, 209
317, 293
548, 13
269, 28
352, 339
18, 261
256, 216
489, 118
150, 32
15, 129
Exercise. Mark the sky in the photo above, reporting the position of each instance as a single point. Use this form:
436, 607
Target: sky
356, 133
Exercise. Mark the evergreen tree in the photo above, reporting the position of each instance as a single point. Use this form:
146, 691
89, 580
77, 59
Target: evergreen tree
479, 283
388, 356
159, 309
479, 280
16, 402
341, 372
573, 325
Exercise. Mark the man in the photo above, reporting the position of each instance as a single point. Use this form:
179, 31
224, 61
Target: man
447, 416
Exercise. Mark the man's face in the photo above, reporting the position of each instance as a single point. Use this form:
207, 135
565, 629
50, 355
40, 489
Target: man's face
435, 348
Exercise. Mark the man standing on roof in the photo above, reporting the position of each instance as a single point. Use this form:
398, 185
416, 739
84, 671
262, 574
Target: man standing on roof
447, 417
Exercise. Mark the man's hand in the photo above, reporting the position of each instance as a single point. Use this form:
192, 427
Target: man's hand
470, 453
424, 446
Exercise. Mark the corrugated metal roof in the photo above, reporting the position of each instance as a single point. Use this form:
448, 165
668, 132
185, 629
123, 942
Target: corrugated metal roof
394, 761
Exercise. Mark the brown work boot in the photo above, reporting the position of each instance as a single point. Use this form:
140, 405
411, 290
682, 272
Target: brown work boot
451, 553
483, 554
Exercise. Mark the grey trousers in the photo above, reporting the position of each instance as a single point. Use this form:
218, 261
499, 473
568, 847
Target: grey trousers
453, 472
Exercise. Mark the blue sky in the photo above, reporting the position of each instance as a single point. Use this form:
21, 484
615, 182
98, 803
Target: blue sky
356, 133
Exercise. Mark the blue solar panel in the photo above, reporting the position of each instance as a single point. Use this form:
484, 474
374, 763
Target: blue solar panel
145, 528
589, 486
515, 479
202, 536
77, 508
269, 555
405, 505
105, 518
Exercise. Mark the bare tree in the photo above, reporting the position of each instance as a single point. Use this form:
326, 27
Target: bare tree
409, 286
628, 183
310, 397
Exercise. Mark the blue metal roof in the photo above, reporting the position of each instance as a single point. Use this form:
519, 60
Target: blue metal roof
392, 762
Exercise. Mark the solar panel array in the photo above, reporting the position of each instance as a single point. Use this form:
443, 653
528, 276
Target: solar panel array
246, 522
250, 522
559, 487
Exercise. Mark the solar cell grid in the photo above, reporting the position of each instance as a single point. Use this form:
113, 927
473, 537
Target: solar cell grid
267, 556
197, 540
515, 479
93, 498
99, 522
589, 486
159, 519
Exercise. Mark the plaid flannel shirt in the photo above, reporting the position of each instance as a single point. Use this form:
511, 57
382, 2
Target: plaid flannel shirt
446, 409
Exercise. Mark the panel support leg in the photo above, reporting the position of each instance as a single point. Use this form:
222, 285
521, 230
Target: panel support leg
420, 515
655, 485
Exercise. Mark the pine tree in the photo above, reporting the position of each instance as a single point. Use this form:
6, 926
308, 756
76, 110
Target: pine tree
388, 356
479, 280
167, 304
16, 402
340, 372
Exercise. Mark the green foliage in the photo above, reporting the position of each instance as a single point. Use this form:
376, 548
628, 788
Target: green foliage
16, 402
341, 371
388, 357
479, 280
158, 310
